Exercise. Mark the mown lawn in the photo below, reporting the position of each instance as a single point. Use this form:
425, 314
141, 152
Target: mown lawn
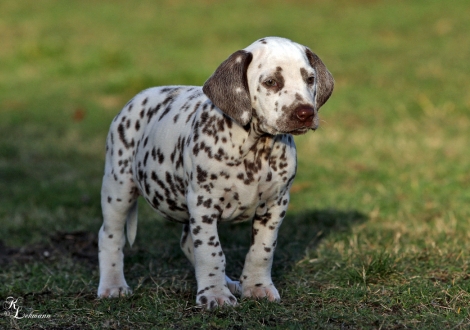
378, 231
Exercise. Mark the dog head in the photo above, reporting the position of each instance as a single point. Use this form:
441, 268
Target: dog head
282, 83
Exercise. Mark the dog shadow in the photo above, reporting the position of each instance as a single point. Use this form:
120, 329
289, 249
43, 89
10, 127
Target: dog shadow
299, 232
157, 252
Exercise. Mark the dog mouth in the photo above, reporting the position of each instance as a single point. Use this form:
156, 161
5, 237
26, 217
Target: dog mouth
291, 128
295, 131
300, 131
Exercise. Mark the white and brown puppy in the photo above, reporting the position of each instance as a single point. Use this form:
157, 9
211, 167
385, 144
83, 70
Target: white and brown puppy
203, 155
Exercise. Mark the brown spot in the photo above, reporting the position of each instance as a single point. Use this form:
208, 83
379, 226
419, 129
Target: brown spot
200, 200
201, 174
196, 230
207, 203
203, 300
269, 177
207, 219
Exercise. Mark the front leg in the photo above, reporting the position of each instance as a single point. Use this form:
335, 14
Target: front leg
209, 259
256, 277
187, 246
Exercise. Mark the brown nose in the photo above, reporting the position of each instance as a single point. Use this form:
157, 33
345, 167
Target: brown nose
305, 113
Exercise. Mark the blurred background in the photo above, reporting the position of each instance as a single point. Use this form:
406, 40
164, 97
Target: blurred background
394, 136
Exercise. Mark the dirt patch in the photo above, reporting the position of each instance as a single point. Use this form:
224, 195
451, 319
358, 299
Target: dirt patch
79, 245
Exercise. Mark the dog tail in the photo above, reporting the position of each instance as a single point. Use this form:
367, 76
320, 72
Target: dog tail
131, 223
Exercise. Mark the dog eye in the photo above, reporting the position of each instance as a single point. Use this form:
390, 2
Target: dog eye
310, 80
270, 83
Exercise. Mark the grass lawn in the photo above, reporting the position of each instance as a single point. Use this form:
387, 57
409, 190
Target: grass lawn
378, 230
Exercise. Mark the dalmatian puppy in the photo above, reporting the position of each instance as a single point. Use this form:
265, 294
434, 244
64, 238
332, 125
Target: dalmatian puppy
205, 155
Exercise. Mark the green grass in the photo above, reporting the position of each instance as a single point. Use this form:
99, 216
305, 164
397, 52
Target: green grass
377, 233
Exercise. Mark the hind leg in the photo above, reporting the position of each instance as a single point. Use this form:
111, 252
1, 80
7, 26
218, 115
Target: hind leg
119, 205
187, 246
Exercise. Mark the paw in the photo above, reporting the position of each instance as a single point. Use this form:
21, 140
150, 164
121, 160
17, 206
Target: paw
233, 286
260, 291
114, 291
211, 299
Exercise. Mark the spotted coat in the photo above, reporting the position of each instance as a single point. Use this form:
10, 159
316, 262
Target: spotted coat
205, 155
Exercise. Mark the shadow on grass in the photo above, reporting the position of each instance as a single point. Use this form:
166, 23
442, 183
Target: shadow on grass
299, 233
156, 255
78, 245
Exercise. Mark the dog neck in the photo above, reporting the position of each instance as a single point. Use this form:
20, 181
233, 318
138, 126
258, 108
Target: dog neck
256, 140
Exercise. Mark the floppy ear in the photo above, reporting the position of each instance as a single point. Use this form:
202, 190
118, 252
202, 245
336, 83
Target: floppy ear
324, 80
228, 89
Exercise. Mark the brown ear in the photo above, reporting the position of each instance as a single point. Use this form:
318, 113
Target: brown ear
228, 89
324, 80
